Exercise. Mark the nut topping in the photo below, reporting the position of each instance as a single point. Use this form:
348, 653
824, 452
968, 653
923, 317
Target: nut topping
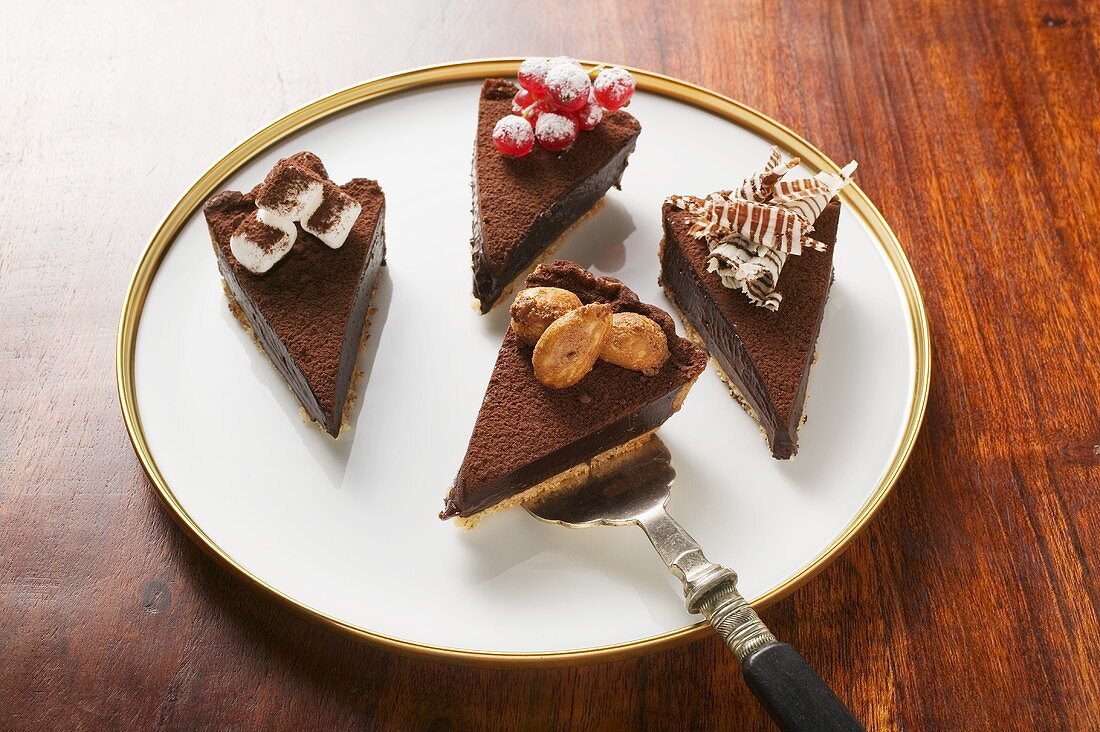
569, 347
635, 342
535, 308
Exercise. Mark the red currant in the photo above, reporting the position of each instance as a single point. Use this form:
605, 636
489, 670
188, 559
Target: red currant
532, 75
555, 131
590, 114
513, 136
614, 87
567, 86
522, 101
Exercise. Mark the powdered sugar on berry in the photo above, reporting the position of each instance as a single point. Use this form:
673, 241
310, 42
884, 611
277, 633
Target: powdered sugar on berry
615, 76
564, 60
532, 74
513, 135
614, 87
591, 114
554, 129
567, 85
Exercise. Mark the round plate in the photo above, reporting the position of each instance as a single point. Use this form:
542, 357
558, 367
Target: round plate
347, 531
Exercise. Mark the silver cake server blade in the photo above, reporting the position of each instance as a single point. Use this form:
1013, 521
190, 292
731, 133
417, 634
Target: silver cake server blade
636, 491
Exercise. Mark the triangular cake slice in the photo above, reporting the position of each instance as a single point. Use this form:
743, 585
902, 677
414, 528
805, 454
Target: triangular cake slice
764, 355
529, 438
309, 311
522, 206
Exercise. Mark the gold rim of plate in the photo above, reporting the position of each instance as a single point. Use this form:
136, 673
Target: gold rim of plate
383, 86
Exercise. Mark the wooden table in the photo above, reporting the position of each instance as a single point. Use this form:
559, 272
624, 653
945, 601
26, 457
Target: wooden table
970, 602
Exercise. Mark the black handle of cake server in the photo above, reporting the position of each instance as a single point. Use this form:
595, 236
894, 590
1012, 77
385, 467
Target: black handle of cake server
796, 697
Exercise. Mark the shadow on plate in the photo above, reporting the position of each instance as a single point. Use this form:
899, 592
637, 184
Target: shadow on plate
597, 241
332, 455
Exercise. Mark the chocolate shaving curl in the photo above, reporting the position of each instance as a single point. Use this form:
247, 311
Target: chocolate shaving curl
752, 229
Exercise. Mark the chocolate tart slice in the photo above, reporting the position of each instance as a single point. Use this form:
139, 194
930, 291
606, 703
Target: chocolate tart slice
529, 439
522, 206
763, 355
309, 311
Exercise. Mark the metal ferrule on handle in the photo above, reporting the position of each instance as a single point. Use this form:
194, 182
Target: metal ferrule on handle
735, 621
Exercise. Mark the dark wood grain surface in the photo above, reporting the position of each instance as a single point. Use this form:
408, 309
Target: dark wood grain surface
969, 603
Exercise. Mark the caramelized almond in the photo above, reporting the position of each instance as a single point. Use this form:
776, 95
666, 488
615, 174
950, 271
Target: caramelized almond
635, 342
569, 347
535, 308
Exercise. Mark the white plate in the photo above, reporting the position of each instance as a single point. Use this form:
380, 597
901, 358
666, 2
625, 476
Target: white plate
348, 530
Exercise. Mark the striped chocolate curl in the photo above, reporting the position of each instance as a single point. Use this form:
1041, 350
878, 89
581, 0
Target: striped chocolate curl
809, 196
765, 225
750, 231
754, 273
768, 226
758, 188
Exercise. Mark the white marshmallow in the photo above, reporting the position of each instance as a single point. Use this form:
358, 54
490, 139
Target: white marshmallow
261, 240
289, 191
331, 219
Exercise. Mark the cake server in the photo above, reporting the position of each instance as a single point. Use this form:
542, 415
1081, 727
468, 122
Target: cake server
636, 492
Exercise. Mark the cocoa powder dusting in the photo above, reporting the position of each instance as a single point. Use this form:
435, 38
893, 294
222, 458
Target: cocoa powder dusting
283, 185
328, 213
263, 235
